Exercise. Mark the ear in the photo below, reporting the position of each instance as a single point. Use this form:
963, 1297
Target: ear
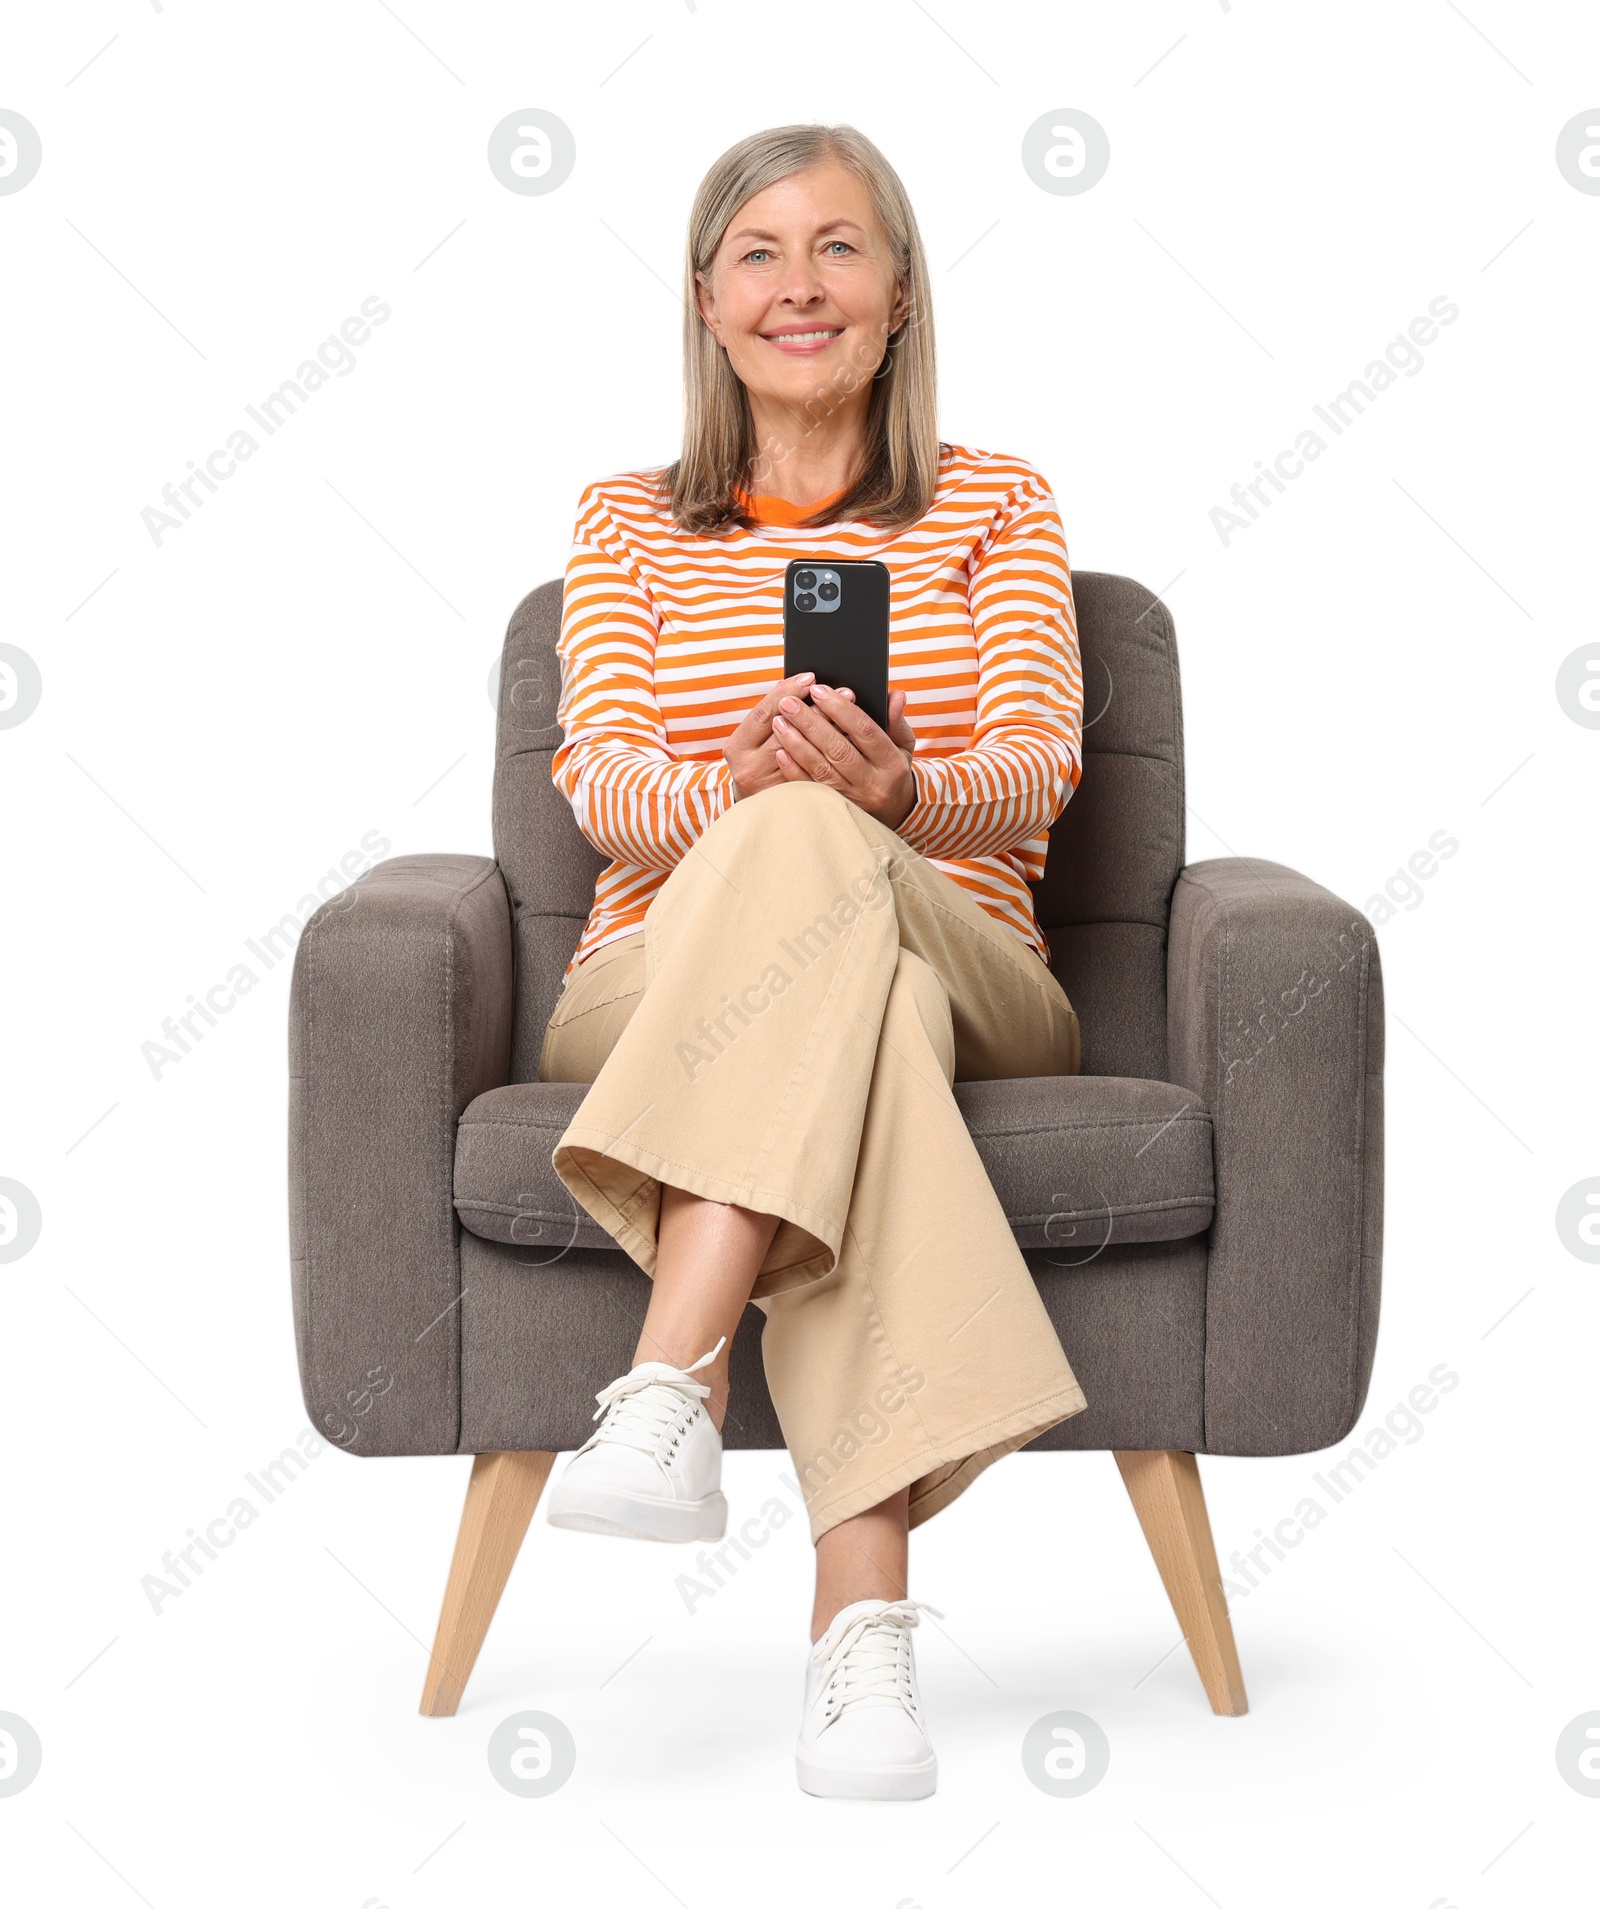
902, 307
706, 305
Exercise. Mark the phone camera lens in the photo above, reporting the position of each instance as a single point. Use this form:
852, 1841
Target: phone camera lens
805, 601
827, 589
805, 580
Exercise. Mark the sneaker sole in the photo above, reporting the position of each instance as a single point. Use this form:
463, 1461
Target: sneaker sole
899, 1783
615, 1514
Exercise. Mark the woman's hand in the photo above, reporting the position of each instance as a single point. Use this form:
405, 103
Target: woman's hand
833, 742
751, 752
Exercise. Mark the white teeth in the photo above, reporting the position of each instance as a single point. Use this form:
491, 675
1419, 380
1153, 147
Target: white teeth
801, 337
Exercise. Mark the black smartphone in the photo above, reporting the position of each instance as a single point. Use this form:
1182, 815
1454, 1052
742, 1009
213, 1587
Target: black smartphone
836, 623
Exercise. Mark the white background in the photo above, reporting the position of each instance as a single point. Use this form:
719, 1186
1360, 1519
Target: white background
224, 716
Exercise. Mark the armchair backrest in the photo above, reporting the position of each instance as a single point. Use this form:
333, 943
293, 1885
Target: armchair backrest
1118, 847
1115, 854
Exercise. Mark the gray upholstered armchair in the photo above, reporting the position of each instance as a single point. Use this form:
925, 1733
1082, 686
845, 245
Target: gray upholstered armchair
1202, 1205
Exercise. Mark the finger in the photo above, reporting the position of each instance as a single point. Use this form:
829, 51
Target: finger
762, 761
752, 760
856, 724
816, 724
796, 686
761, 715
767, 755
801, 750
900, 731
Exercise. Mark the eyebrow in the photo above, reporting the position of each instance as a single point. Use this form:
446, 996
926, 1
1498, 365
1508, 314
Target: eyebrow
833, 225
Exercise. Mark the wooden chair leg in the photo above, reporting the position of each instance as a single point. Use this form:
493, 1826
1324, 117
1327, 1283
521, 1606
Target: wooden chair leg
1166, 1494
501, 1496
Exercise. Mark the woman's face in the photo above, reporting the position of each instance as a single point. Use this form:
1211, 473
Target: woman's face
802, 289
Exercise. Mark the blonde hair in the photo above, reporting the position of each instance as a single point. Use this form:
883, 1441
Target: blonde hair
895, 483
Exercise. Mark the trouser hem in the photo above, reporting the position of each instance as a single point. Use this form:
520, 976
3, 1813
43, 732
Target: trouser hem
950, 1465
582, 1150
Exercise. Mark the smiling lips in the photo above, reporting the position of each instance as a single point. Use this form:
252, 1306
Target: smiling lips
804, 340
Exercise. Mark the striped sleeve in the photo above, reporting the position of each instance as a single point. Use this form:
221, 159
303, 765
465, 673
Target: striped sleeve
1026, 756
633, 799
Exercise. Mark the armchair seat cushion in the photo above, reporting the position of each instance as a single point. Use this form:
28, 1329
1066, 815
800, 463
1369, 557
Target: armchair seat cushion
1079, 1162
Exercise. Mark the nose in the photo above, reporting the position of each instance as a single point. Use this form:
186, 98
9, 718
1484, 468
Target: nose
801, 285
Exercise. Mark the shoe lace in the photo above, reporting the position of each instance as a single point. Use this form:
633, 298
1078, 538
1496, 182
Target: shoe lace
641, 1407
869, 1662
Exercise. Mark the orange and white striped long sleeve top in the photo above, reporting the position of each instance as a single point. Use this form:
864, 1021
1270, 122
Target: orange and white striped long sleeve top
668, 639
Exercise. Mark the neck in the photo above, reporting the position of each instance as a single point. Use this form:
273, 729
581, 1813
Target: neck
801, 456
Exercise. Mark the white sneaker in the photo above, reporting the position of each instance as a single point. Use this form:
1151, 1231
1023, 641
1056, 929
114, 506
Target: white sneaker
862, 1733
653, 1468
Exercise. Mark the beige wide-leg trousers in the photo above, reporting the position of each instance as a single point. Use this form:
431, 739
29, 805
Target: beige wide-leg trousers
782, 1036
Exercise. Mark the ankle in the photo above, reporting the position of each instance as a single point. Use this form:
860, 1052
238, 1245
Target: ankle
825, 1610
654, 1351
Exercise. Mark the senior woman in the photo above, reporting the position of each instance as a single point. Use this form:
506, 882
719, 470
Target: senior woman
810, 926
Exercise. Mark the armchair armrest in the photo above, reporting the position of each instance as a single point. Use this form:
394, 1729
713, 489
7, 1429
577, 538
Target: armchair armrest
1275, 1019
400, 1014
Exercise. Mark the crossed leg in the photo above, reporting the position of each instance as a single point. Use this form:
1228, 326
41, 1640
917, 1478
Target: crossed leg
710, 1255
